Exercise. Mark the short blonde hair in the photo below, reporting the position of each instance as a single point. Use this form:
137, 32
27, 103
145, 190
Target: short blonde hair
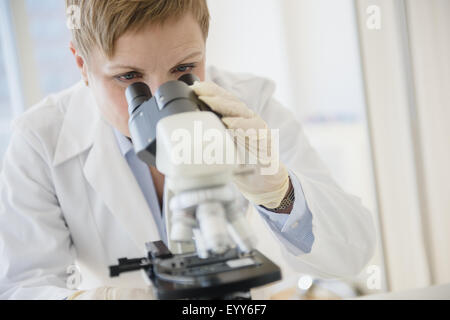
101, 22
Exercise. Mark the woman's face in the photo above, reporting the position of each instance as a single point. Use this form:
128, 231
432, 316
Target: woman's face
153, 55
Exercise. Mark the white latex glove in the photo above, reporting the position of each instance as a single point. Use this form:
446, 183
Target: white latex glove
113, 293
269, 182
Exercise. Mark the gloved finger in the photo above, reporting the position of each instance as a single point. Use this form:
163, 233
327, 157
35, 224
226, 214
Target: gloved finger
114, 293
244, 123
207, 88
132, 294
227, 107
252, 135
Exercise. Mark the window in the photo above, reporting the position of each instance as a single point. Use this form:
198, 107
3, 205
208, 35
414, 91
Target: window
35, 48
50, 38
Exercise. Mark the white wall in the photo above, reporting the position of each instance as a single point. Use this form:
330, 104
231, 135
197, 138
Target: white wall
248, 36
308, 47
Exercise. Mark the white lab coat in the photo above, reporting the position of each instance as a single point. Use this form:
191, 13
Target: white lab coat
68, 196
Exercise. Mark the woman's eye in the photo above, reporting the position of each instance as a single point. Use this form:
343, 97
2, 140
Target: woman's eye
128, 76
184, 68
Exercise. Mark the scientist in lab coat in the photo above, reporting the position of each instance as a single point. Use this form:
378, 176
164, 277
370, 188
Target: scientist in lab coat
75, 198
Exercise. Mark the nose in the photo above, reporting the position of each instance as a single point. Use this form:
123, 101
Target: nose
155, 82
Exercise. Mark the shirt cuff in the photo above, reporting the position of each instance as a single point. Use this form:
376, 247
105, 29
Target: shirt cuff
294, 230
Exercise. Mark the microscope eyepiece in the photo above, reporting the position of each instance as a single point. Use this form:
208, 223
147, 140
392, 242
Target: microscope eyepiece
136, 94
189, 78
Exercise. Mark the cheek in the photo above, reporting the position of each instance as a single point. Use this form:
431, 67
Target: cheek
113, 104
200, 72
118, 101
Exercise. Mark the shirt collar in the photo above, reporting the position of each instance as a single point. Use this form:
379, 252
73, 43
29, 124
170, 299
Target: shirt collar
124, 143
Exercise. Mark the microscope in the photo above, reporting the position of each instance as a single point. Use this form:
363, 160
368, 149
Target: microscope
210, 250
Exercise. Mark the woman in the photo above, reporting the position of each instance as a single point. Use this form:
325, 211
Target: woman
74, 193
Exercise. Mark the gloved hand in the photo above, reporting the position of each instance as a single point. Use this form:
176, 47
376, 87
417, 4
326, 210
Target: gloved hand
113, 293
269, 182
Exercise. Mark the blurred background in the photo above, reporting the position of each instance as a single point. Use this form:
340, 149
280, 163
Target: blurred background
368, 80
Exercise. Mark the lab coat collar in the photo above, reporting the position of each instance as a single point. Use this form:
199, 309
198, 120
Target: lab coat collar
109, 174
80, 120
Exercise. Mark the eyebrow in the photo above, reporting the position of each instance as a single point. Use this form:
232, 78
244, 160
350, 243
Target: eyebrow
193, 54
123, 66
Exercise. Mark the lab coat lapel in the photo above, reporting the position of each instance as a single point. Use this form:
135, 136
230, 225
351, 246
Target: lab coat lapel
80, 119
110, 176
